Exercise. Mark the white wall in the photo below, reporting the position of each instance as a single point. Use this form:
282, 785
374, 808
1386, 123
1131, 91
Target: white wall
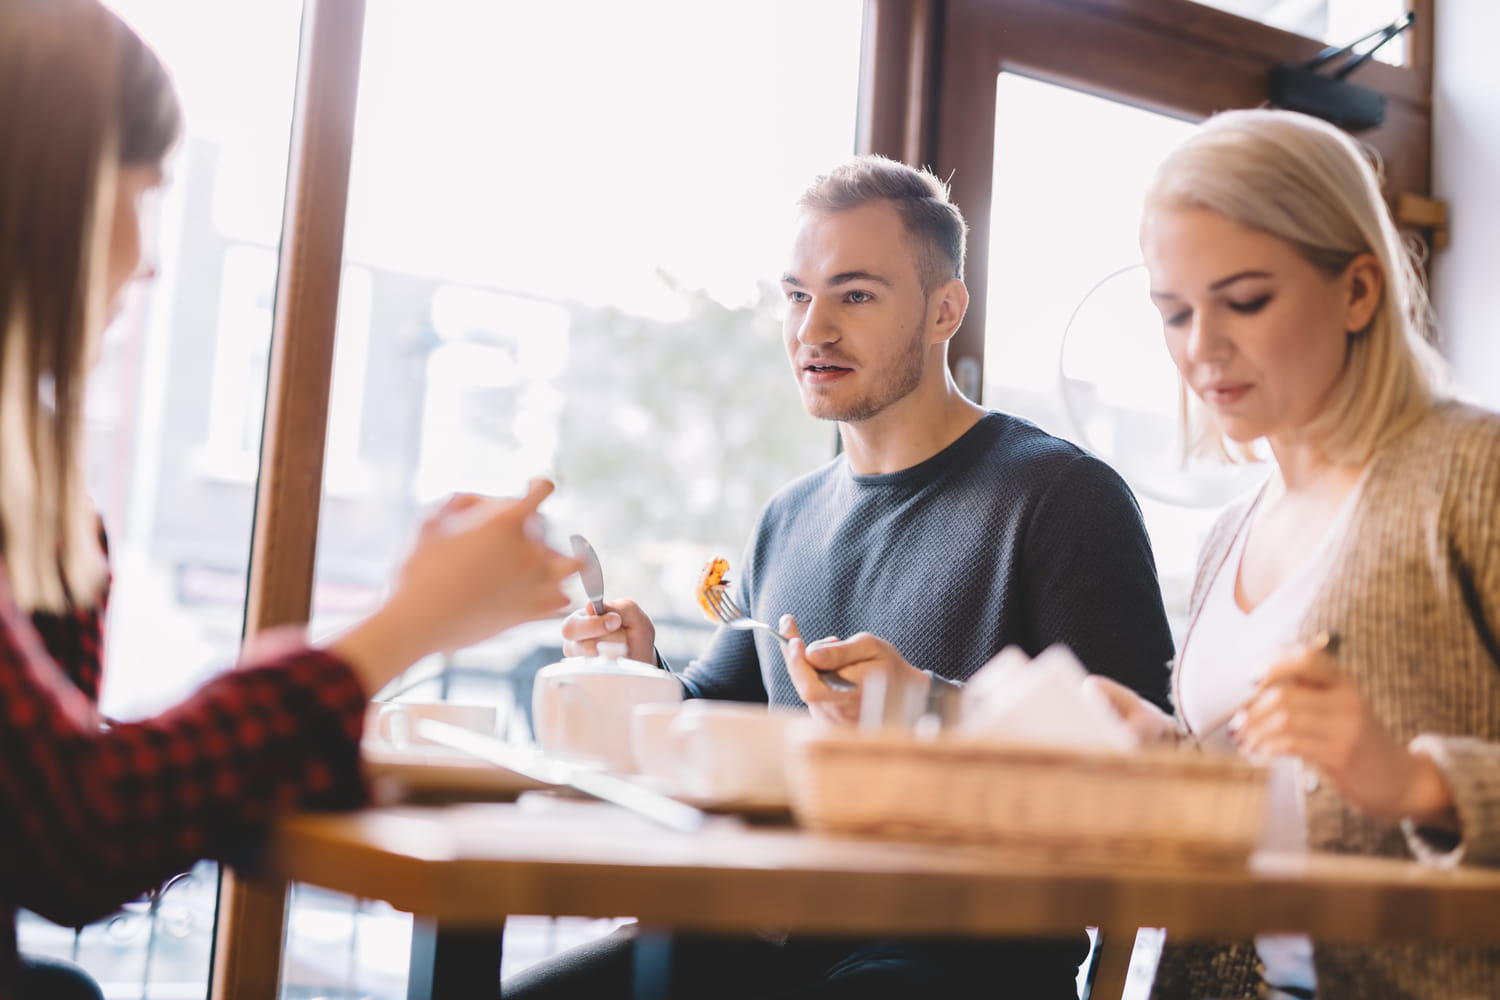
1466, 174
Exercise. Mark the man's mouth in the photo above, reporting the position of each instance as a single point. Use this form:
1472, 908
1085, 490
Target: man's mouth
824, 374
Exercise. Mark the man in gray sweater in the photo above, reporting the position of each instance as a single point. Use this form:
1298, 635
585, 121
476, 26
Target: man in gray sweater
941, 534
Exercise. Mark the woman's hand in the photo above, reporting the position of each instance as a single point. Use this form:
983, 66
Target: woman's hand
479, 565
856, 659
1152, 726
623, 621
1307, 707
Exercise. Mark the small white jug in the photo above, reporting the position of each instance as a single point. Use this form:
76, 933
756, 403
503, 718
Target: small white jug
581, 706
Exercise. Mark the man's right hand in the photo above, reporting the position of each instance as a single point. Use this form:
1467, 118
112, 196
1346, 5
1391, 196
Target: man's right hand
622, 621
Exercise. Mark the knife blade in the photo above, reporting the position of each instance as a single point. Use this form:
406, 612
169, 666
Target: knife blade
591, 573
538, 766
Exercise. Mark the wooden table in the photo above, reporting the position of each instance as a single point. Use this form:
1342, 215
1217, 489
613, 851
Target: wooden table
462, 869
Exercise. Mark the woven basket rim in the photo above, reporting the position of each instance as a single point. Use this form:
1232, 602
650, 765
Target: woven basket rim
956, 747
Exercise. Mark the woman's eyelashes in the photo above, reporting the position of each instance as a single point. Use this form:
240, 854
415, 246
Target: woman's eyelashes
1252, 306
1247, 308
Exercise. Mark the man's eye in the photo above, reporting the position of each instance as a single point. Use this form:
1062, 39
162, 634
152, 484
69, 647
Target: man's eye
858, 297
797, 297
1252, 307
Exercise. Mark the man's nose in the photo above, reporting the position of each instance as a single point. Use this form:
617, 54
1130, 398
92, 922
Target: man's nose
817, 326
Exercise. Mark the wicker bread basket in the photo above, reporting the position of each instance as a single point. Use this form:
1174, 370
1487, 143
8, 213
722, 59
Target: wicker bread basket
1163, 806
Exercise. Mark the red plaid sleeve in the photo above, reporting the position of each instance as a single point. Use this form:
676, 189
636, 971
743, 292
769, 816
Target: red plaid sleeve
92, 816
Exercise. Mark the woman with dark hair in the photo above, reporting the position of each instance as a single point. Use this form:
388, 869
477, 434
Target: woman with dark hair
92, 814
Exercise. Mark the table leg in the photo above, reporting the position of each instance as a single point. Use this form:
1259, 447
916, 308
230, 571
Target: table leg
652, 976
1111, 962
251, 932
448, 964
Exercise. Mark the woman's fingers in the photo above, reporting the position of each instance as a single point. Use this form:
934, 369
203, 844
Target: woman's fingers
1150, 724
1313, 668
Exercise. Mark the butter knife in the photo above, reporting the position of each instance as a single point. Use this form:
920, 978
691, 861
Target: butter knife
591, 573
550, 770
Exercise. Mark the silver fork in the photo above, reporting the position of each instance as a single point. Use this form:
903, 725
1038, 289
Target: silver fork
733, 616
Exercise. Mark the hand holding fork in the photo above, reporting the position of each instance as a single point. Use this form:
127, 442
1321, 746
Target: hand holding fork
1307, 706
732, 616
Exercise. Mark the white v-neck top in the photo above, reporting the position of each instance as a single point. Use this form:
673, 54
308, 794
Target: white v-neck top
1225, 652
1227, 648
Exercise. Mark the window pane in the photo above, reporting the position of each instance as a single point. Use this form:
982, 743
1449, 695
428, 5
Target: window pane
1073, 342
179, 393
572, 218
174, 427
1337, 22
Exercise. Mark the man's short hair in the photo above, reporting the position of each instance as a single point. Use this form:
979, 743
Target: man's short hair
935, 225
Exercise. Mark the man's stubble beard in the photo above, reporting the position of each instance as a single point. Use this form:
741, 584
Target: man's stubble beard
895, 386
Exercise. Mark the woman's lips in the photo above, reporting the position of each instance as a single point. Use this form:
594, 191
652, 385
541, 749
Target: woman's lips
1226, 394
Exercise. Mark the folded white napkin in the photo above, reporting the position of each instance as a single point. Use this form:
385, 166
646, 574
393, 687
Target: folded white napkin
1015, 699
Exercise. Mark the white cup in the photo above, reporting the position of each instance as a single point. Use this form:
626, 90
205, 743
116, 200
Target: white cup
653, 745
394, 723
720, 750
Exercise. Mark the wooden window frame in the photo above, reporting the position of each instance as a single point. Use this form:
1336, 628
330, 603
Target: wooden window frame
932, 67
251, 924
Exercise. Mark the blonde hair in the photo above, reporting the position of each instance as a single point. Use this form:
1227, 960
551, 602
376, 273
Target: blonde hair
80, 95
1304, 181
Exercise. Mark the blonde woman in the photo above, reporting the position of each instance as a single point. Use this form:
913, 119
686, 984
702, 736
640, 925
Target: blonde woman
93, 815
1346, 619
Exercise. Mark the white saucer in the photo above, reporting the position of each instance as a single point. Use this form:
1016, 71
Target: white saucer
425, 773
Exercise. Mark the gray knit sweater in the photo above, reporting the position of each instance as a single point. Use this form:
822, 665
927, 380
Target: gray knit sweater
1009, 536
1414, 595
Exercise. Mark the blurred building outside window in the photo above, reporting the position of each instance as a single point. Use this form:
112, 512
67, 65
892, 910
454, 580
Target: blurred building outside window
1337, 22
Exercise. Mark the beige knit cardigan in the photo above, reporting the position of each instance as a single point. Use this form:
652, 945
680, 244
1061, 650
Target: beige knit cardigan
1414, 596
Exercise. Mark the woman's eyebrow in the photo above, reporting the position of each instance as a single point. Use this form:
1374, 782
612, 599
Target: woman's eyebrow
1240, 276
1159, 295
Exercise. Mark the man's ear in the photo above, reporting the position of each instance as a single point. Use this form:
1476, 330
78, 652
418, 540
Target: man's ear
1363, 284
947, 305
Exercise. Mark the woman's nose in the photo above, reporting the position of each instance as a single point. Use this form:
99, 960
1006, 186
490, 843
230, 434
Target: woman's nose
1205, 341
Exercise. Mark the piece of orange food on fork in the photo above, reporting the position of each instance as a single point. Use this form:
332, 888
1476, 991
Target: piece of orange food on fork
711, 576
